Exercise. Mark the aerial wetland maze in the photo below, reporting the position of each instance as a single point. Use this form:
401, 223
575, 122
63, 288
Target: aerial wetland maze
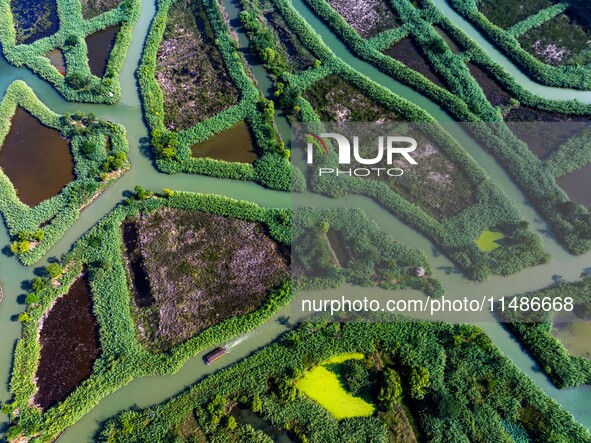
150, 281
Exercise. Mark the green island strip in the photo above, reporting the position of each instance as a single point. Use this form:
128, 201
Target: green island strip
575, 75
98, 257
146, 334
77, 83
335, 246
98, 150
467, 103
535, 331
427, 380
173, 147
489, 207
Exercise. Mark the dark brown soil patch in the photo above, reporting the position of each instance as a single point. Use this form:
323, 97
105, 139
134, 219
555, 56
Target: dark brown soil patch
408, 52
92, 8
69, 345
202, 269
543, 138
494, 93
100, 44
36, 159
57, 60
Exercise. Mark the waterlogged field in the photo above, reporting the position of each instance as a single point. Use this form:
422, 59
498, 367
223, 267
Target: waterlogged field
167, 275
190, 71
34, 19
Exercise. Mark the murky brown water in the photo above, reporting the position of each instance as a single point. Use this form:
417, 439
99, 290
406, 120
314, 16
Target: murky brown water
100, 45
57, 60
36, 159
69, 345
233, 145
577, 185
493, 92
408, 52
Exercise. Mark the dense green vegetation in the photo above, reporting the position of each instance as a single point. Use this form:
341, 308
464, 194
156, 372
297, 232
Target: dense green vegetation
466, 102
534, 331
450, 380
124, 354
334, 246
172, 148
78, 84
546, 28
123, 357
523, 249
275, 44
99, 150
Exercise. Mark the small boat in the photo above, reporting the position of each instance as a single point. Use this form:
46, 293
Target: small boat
214, 355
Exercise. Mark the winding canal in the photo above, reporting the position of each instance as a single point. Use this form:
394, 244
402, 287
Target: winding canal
147, 391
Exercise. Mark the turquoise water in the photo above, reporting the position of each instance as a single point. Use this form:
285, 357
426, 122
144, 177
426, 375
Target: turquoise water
150, 390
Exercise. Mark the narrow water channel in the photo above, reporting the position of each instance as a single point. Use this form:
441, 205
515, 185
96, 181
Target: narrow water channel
152, 390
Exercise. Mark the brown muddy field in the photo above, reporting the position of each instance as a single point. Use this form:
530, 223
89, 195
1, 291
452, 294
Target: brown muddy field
92, 8
493, 92
202, 269
69, 345
408, 52
455, 48
232, 145
36, 159
100, 44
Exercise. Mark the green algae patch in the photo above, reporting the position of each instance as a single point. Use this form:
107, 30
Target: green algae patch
324, 387
487, 240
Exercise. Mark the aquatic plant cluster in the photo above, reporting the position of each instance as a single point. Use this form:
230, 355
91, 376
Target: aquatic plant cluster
122, 356
565, 370
465, 101
456, 382
78, 84
99, 151
491, 207
172, 148
367, 258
